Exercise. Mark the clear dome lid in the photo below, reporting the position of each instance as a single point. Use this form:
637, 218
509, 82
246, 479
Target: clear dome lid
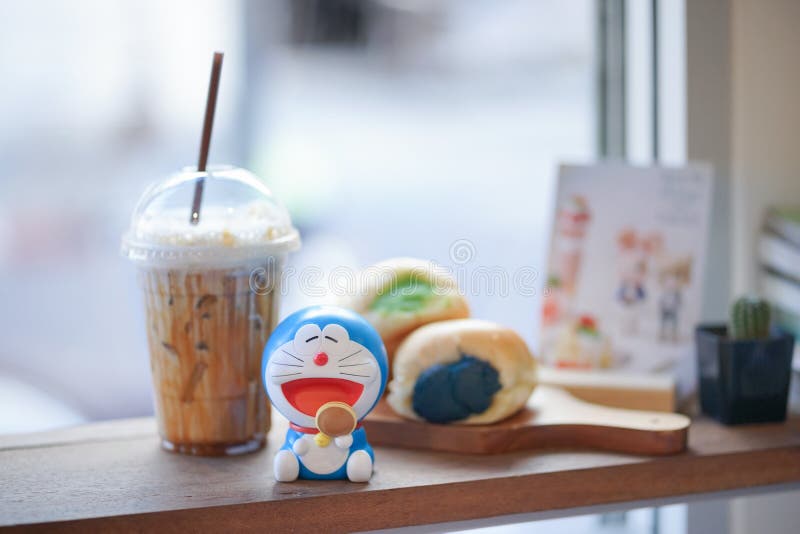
240, 220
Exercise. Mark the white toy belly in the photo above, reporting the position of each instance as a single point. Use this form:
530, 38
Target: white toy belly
323, 460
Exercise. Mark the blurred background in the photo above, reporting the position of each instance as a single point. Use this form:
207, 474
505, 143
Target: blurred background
388, 128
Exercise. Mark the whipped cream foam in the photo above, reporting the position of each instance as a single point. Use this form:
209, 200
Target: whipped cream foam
252, 224
239, 220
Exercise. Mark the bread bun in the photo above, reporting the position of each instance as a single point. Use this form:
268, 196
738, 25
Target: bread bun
464, 371
399, 295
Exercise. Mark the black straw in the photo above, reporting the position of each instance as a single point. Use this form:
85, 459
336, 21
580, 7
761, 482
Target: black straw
205, 141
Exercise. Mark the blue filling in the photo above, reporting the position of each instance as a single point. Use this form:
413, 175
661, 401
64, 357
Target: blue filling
450, 392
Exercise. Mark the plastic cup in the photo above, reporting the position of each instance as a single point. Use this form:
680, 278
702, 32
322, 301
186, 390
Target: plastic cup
211, 301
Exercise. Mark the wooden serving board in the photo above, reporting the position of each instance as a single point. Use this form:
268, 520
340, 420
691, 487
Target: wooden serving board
552, 418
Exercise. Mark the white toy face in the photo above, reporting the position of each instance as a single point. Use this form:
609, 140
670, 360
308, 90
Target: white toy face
321, 365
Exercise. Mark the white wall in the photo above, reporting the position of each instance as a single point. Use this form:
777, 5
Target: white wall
765, 120
743, 115
765, 117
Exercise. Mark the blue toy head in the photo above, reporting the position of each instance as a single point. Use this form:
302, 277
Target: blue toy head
321, 354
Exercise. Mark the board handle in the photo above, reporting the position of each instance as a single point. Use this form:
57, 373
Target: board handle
554, 406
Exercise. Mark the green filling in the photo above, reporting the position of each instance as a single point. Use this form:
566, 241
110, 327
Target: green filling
408, 294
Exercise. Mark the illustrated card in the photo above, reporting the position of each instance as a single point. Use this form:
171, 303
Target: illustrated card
625, 267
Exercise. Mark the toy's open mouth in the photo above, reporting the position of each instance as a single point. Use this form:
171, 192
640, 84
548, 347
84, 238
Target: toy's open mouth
308, 394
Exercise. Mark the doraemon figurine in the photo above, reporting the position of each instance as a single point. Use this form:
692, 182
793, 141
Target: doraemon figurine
322, 359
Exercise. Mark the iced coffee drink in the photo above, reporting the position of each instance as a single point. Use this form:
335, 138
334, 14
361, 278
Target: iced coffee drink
211, 299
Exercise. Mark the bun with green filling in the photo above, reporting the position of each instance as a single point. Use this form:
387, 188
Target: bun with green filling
399, 295
464, 371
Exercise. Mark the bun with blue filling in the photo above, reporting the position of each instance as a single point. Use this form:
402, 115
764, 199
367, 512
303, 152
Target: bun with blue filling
465, 371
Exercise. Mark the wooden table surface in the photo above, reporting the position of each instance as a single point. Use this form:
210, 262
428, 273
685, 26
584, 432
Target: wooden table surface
113, 476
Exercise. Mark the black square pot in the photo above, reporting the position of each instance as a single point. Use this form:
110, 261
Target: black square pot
743, 380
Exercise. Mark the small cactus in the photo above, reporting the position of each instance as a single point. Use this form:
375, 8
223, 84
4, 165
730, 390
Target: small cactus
750, 318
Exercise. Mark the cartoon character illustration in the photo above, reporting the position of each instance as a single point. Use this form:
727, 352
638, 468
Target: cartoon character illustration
571, 224
631, 292
324, 369
634, 254
675, 276
572, 221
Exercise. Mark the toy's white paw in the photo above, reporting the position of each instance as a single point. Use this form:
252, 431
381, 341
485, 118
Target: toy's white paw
286, 466
359, 467
344, 442
300, 446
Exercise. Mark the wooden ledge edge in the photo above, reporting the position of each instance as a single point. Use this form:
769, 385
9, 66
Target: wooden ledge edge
346, 512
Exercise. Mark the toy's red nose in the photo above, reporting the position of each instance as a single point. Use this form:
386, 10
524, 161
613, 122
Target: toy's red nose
321, 358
